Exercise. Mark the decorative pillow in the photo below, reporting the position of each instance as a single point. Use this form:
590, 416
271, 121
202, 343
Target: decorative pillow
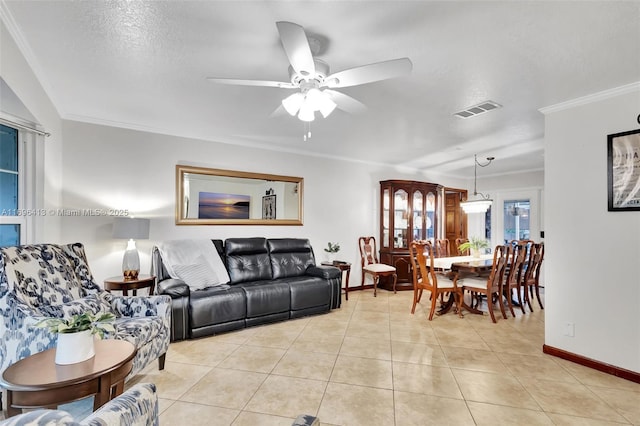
92, 303
198, 275
41, 274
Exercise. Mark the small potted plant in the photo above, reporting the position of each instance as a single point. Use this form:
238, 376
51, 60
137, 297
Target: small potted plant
75, 334
475, 244
332, 250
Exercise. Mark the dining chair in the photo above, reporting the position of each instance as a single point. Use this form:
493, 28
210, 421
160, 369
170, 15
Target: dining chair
459, 242
421, 255
514, 274
371, 265
442, 248
531, 277
490, 287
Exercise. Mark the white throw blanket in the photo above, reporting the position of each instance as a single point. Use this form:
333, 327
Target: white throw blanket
196, 262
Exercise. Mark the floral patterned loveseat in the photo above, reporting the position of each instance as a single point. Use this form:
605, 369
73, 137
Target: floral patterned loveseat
49, 280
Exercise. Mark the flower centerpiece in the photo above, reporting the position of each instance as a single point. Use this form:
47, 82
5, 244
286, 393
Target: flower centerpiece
475, 244
332, 250
75, 334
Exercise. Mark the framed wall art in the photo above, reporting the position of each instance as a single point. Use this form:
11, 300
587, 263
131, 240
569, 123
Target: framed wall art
269, 207
623, 168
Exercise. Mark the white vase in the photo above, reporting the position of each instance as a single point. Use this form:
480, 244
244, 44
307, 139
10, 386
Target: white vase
74, 347
475, 252
331, 256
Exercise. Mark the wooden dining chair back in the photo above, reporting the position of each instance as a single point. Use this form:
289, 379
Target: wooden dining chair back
421, 255
371, 266
459, 242
491, 286
514, 274
530, 282
442, 248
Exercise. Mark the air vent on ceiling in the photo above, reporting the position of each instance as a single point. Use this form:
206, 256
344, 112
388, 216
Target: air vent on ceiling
481, 108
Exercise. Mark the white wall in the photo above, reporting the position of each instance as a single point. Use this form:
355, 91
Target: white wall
591, 254
108, 167
18, 75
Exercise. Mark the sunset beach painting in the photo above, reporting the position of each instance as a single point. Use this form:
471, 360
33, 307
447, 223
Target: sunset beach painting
213, 205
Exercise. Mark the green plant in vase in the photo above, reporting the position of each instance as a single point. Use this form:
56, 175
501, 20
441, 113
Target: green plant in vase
475, 244
76, 334
332, 250
98, 324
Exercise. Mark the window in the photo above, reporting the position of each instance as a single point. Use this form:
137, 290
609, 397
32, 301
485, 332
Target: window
12, 222
516, 220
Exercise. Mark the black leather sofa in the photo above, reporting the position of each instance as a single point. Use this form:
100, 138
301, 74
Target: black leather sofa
271, 280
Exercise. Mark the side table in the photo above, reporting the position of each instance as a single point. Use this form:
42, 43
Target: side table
119, 283
343, 266
37, 381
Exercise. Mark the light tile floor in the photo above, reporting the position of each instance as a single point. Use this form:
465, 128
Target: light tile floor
373, 363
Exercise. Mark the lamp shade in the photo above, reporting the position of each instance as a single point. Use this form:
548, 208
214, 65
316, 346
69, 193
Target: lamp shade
131, 228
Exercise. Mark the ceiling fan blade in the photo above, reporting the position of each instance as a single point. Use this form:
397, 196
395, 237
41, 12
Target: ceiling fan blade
263, 83
345, 102
296, 46
279, 112
370, 73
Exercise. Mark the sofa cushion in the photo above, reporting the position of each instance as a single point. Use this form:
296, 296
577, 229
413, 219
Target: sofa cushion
41, 274
247, 259
307, 292
290, 257
215, 305
266, 297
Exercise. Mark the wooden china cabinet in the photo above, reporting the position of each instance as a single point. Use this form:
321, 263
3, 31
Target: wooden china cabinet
409, 210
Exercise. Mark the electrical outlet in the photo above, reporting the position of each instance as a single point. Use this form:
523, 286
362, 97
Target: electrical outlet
569, 329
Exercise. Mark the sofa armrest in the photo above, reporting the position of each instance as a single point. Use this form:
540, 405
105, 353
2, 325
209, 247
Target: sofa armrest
173, 287
136, 406
326, 272
180, 294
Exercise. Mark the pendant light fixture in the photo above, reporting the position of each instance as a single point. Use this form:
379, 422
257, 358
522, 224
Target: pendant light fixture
482, 204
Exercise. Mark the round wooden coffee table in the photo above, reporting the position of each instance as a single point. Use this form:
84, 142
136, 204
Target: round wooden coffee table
37, 381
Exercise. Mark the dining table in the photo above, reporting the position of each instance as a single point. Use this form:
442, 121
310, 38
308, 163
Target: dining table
456, 268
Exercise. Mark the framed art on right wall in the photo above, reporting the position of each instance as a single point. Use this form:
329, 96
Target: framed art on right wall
623, 171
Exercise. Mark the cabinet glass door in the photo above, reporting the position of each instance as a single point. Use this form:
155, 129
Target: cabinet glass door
431, 217
385, 218
417, 217
400, 218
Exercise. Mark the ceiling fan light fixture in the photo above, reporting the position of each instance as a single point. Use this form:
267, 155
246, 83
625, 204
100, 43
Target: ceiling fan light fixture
327, 105
293, 103
306, 113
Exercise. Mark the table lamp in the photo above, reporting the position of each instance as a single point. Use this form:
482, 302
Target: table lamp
131, 229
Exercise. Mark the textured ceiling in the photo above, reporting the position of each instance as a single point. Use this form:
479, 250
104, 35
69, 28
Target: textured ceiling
143, 65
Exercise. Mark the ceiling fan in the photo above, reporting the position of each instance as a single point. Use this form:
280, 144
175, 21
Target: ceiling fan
311, 76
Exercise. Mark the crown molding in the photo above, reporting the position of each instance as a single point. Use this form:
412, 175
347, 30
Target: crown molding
594, 97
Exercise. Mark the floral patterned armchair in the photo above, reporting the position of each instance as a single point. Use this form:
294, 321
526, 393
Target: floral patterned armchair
137, 406
49, 280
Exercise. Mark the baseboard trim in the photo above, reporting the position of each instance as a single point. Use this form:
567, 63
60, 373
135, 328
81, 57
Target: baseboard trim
591, 363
